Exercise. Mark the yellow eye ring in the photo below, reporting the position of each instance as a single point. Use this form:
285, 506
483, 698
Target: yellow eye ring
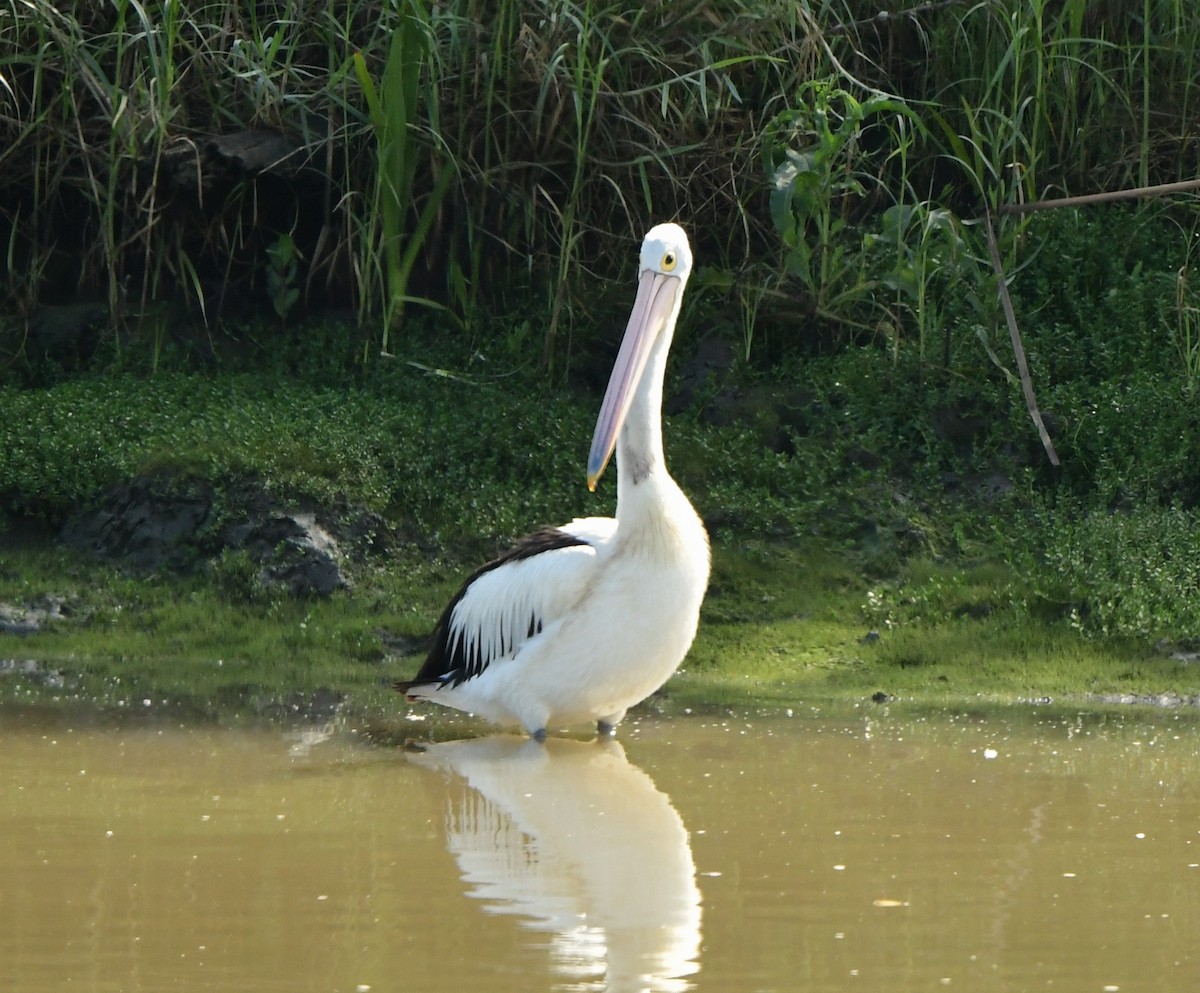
669, 260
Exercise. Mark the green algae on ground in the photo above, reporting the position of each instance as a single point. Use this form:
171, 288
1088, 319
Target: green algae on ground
784, 622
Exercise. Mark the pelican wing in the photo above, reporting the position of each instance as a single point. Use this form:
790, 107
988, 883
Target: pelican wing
509, 600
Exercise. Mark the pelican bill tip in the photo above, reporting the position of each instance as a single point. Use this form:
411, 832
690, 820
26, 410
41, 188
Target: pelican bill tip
595, 470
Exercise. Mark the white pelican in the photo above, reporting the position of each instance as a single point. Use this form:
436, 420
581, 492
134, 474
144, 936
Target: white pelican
580, 622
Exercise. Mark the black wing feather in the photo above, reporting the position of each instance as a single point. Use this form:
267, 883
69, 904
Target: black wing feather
449, 662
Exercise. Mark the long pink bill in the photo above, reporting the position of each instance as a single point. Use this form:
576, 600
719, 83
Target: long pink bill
656, 298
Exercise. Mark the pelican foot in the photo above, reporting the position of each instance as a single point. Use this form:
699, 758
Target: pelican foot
606, 730
538, 735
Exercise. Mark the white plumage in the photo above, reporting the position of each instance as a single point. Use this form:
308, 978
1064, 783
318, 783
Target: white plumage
580, 622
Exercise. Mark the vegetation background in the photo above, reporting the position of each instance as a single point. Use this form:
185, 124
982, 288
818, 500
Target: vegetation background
287, 241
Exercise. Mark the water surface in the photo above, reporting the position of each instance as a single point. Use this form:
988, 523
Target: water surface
991, 852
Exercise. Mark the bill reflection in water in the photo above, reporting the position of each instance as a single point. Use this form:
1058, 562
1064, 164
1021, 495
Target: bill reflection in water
579, 843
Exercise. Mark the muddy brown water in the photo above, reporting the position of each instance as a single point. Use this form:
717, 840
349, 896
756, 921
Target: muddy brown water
991, 852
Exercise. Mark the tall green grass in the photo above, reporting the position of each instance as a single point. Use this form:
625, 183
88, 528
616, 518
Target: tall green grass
396, 107
498, 158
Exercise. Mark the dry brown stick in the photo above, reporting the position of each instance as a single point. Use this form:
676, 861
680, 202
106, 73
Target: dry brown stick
1110, 196
1107, 197
1018, 347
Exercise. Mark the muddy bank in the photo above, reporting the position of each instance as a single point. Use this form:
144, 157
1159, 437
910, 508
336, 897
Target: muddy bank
158, 524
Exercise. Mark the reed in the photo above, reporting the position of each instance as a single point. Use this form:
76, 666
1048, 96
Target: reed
397, 109
1185, 331
478, 156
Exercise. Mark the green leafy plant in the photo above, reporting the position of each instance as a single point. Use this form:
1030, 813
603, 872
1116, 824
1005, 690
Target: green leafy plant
1134, 574
813, 158
282, 276
394, 108
925, 258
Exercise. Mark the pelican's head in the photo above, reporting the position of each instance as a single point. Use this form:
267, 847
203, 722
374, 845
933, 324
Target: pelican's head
666, 250
663, 270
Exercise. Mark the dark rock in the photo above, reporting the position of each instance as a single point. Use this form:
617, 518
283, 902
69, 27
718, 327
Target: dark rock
256, 150
152, 523
294, 551
222, 161
33, 617
146, 523
361, 533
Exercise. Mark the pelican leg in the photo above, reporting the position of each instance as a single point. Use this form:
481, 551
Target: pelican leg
606, 727
534, 718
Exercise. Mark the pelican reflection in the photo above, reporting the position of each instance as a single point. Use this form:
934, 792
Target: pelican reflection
581, 844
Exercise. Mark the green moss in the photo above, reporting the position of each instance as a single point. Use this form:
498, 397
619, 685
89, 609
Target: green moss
784, 623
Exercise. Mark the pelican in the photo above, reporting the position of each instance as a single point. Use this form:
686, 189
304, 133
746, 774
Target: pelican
580, 622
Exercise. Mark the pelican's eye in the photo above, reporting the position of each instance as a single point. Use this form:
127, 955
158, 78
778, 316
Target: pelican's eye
669, 261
